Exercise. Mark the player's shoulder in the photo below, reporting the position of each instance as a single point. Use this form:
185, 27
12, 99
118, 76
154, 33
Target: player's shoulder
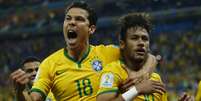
111, 46
114, 66
56, 55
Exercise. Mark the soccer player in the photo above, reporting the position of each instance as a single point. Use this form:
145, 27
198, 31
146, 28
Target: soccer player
134, 46
72, 72
198, 94
30, 67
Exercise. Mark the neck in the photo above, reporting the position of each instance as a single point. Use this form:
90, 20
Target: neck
133, 64
29, 85
77, 53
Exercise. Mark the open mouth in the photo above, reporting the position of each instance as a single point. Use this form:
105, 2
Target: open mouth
140, 51
33, 78
72, 34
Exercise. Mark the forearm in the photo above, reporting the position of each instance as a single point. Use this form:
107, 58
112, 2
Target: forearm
127, 96
24, 96
20, 96
117, 98
19, 93
110, 97
148, 67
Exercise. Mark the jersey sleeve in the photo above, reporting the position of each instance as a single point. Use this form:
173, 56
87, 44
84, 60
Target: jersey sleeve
43, 80
109, 82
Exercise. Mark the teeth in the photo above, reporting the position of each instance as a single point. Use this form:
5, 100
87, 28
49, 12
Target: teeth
72, 34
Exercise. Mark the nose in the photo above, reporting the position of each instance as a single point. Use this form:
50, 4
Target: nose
72, 22
34, 72
141, 42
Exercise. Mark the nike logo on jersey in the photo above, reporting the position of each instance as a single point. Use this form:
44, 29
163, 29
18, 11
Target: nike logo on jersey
60, 71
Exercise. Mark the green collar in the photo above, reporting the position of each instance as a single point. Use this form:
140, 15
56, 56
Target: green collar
72, 59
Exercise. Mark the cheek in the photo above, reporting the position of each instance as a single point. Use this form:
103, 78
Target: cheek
64, 27
147, 46
132, 44
83, 27
65, 24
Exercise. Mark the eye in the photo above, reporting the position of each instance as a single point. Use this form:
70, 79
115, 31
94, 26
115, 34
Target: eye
80, 18
145, 38
29, 70
134, 37
36, 69
67, 17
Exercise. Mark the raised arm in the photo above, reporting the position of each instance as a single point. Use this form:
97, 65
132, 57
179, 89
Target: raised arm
20, 79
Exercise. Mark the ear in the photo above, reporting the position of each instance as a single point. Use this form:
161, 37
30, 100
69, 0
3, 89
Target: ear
92, 29
122, 44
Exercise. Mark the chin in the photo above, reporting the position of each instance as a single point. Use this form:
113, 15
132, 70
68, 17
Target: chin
139, 58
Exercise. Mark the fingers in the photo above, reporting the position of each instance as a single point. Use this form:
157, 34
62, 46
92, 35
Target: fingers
131, 82
150, 86
156, 87
182, 97
19, 76
13, 75
186, 97
23, 79
128, 83
159, 89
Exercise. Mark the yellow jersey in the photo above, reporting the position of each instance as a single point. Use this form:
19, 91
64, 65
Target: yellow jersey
50, 97
198, 95
114, 74
74, 80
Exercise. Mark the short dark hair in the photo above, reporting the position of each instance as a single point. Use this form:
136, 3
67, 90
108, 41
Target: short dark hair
30, 59
83, 5
134, 20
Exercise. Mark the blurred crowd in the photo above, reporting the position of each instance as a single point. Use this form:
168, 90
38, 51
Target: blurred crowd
25, 30
29, 15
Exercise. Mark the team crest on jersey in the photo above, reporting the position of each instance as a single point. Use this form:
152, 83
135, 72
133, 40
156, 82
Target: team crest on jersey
97, 65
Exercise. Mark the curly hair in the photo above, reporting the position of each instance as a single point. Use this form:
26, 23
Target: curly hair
134, 20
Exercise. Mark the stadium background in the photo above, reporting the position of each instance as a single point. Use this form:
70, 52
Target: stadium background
34, 27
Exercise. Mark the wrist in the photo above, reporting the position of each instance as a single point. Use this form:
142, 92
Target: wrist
130, 94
